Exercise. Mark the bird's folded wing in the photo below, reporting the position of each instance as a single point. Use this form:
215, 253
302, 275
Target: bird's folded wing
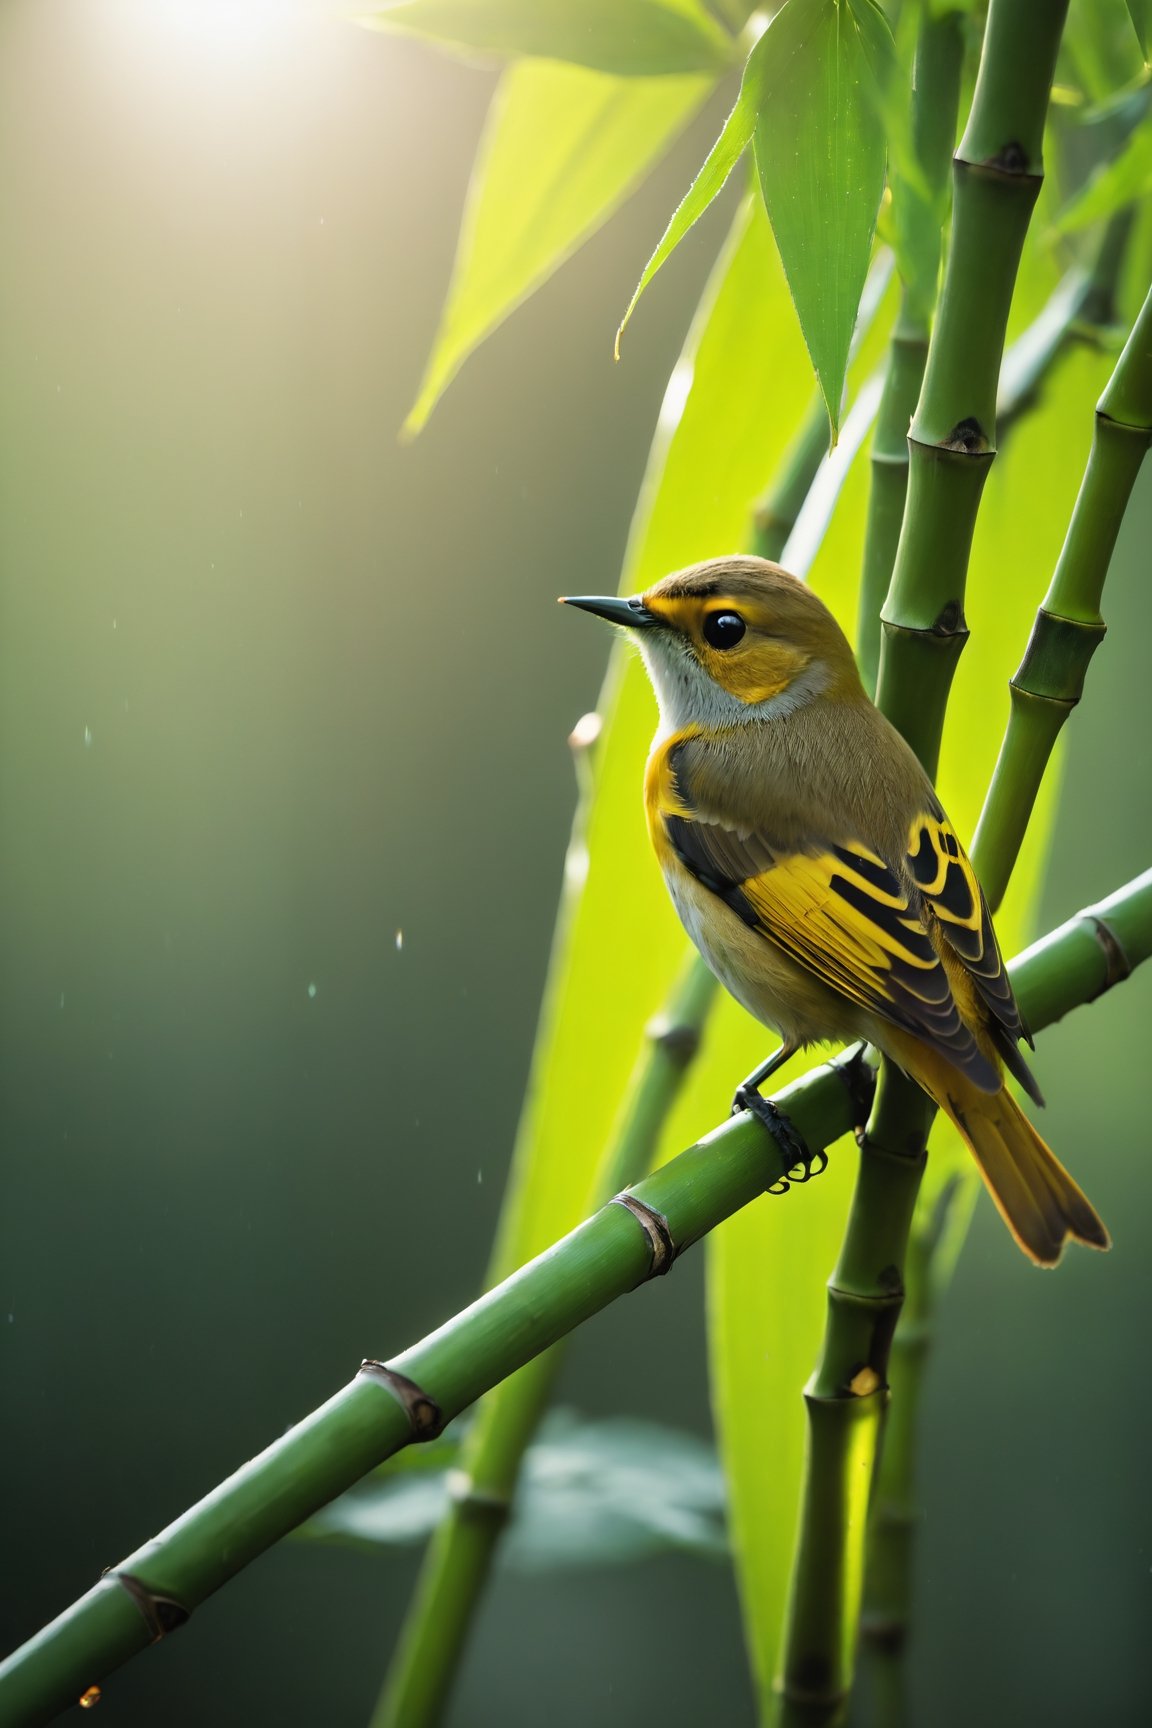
866, 928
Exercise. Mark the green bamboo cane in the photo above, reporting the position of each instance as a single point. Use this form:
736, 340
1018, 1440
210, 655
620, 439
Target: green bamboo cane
1079, 306
388, 1406
1069, 627
952, 442
1073, 600
460, 1553
462, 1548
938, 63
997, 175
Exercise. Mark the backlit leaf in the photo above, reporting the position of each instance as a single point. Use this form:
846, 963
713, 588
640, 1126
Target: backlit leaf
735, 136
639, 38
714, 451
820, 153
562, 148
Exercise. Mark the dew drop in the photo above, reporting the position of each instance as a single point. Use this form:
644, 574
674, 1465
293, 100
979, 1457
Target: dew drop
399, 940
89, 1700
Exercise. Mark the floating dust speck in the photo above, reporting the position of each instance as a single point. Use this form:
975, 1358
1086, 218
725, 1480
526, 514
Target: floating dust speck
89, 1700
399, 941
311, 992
576, 864
586, 731
87, 737
479, 1178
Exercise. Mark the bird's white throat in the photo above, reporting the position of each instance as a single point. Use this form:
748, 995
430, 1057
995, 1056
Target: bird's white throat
687, 696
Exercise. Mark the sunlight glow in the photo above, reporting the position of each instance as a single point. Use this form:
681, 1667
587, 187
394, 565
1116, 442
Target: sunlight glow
229, 29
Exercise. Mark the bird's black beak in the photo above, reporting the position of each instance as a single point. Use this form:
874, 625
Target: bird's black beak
633, 614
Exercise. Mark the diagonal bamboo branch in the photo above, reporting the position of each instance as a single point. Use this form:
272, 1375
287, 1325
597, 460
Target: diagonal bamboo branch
386, 1407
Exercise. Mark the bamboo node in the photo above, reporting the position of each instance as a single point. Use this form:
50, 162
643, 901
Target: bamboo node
968, 438
810, 1681
425, 1417
884, 1631
161, 1614
1117, 965
661, 1248
864, 1382
477, 1503
858, 1077
1011, 158
678, 1041
950, 620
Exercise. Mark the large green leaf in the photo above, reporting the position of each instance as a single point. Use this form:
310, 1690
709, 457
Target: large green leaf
735, 137
820, 153
591, 1493
714, 451
811, 98
639, 38
562, 148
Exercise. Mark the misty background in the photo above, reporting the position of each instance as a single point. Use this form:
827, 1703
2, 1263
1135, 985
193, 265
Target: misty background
284, 795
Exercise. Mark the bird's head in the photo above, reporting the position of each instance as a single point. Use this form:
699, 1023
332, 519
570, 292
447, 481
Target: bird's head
732, 641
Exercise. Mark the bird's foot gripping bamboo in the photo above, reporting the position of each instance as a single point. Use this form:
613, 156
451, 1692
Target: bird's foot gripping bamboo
800, 1161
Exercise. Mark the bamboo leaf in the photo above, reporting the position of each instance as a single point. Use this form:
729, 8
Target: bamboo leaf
562, 148
592, 1493
637, 38
742, 351
1140, 12
820, 153
1120, 182
1103, 52
735, 136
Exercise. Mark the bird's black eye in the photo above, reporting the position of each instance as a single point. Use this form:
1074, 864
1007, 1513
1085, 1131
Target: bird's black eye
723, 629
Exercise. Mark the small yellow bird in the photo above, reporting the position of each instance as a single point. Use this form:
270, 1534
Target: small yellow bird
815, 870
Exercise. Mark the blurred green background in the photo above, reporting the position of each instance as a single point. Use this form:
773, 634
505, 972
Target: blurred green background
285, 793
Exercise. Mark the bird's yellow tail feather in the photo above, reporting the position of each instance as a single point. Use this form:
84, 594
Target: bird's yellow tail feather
1035, 1196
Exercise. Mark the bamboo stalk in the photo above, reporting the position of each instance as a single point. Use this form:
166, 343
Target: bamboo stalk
387, 1407
952, 442
456, 1567
936, 94
775, 516
1082, 299
997, 175
460, 1554
1069, 627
